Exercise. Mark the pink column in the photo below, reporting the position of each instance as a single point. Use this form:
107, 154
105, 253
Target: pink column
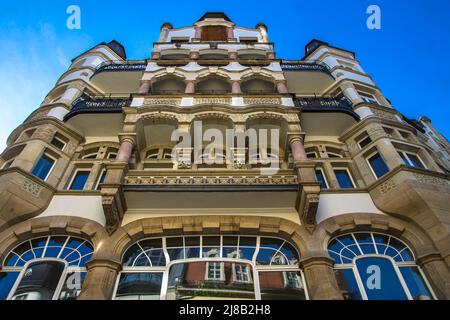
145, 87
198, 33
298, 151
125, 150
190, 87
282, 88
232, 55
236, 87
230, 33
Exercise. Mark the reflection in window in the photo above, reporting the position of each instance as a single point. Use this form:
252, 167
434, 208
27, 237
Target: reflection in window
218, 267
281, 285
41, 263
377, 267
43, 167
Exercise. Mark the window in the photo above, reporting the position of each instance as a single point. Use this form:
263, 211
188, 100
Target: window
90, 156
101, 180
43, 166
411, 160
321, 179
79, 180
7, 164
344, 179
112, 155
373, 266
58, 142
367, 97
311, 155
47, 268
364, 142
212, 269
214, 33
378, 166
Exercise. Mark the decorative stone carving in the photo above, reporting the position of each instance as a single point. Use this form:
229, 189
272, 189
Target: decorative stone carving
262, 100
32, 187
387, 186
162, 101
383, 114
217, 180
218, 100
425, 179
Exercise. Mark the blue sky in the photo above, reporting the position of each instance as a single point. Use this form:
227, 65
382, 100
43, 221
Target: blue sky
407, 58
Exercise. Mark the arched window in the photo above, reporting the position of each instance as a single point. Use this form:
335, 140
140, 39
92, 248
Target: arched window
228, 266
374, 266
47, 268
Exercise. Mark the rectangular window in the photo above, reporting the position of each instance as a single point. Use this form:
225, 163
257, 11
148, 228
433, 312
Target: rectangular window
43, 167
379, 167
344, 179
112, 155
101, 180
364, 142
58, 143
411, 160
321, 179
241, 271
214, 270
367, 97
79, 180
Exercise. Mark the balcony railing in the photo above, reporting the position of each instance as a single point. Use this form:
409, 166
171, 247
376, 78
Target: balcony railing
326, 104
121, 66
305, 66
99, 104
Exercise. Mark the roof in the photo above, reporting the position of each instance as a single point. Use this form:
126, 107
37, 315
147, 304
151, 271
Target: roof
214, 15
114, 45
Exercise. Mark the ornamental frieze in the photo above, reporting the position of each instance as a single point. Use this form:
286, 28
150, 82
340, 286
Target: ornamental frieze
262, 100
162, 101
209, 180
218, 100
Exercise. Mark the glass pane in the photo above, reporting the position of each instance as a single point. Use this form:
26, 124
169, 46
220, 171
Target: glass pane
42, 167
415, 283
131, 254
7, 280
347, 283
102, 180
289, 253
405, 160
176, 253
344, 179
321, 179
415, 161
265, 256
274, 243
71, 288
379, 279
281, 285
139, 286
58, 143
79, 181
378, 165
39, 281
210, 280
211, 247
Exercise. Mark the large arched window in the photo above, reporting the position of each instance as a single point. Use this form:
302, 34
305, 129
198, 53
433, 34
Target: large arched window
228, 266
47, 268
374, 266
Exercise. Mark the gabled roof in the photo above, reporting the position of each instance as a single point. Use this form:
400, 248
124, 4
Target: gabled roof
214, 15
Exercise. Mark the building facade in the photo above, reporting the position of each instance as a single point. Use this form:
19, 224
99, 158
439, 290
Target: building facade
216, 170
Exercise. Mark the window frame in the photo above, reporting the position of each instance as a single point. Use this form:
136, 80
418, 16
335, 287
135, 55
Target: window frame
256, 269
396, 265
358, 141
97, 184
69, 187
47, 154
64, 143
348, 173
324, 178
406, 155
7, 164
370, 156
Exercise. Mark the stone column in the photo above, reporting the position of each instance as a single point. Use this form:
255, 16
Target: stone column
437, 273
232, 55
297, 148
100, 280
145, 87
320, 278
350, 92
198, 33
282, 87
190, 87
29, 155
236, 87
230, 34
164, 34
126, 147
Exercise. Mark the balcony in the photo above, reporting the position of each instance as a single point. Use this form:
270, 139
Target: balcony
114, 66
305, 66
99, 104
326, 104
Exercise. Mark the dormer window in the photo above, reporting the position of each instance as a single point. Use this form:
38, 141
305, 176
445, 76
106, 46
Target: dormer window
214, 33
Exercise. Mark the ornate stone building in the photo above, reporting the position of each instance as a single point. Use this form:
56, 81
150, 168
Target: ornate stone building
99, 200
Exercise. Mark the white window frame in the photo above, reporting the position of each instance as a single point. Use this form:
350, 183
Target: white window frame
368, 97
97, 184
406, 153
324, 177
337, 155
7, 163
73, 178
214, 264
51, 168
108, 157
60, 140
89, 155
349, 174
370, 166
362, 139
312, 152
256, 269
235, 272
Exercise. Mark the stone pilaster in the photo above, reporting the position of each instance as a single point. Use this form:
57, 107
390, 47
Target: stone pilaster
100, 280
